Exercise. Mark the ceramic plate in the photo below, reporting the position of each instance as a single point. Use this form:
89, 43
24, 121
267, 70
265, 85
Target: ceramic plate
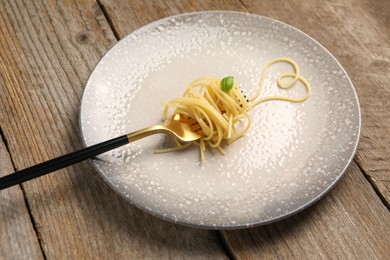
293, 154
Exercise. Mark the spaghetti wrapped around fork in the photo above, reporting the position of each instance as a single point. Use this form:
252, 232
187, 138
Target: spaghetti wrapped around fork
219, 104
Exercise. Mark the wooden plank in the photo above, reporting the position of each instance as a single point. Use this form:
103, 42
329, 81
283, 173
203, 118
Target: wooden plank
348, 223
48, 51
127, 16
357, 32
17, 236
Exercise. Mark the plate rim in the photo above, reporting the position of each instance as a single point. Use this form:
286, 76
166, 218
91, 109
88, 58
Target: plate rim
234, 226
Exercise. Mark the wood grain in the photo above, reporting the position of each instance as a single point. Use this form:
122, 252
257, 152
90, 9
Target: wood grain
48, 51
348, 223
357, 32
17, 237
127, 16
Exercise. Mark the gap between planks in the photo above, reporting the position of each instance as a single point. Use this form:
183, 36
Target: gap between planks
108, 19
243, 5
37, 233
374, 187
33, 222
224, 245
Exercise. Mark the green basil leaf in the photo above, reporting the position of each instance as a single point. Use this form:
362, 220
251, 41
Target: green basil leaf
227, 84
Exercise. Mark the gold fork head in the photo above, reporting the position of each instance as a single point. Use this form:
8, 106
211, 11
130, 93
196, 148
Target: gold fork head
185, 128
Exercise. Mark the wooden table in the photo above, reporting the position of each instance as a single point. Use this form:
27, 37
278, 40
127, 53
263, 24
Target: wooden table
47, 51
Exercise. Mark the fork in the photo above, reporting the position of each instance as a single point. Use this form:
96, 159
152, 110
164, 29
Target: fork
184, 128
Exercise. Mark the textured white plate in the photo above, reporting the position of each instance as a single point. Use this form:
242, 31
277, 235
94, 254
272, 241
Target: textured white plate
293, 154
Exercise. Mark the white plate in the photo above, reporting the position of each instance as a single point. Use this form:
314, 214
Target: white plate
293, 154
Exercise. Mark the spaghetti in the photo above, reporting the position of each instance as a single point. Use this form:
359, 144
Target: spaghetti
219, 104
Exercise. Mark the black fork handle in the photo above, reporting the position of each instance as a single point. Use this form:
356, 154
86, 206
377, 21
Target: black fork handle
61, 162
